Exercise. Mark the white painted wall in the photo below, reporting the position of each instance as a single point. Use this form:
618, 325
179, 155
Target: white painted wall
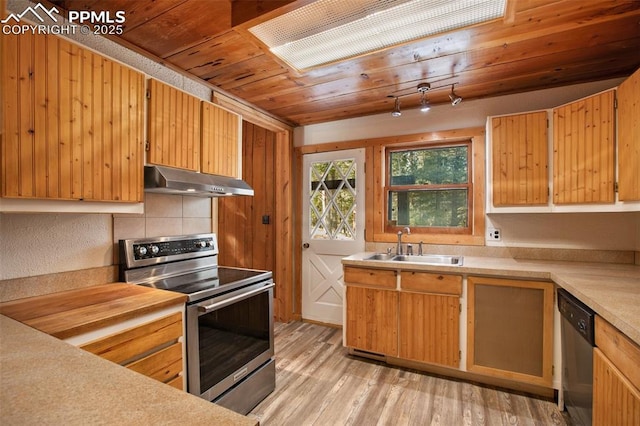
36, 244
444, 117
597, 231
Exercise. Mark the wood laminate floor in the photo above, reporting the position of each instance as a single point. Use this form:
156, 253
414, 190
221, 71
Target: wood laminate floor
318, 383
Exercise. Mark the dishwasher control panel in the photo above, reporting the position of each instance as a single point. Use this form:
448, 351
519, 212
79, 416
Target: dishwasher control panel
579, 315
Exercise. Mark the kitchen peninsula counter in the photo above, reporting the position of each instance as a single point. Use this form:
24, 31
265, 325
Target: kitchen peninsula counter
44, 380
612, 290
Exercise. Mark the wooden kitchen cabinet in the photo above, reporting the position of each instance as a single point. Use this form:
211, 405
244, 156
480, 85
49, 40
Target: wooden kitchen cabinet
371, 310
628, 95
153, 349
616, 378
221, 139
421, 322
173, 127
72, 122
510, 329
584, 150
520, 159
429, 317
134, 326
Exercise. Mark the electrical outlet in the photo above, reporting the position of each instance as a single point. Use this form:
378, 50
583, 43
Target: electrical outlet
495, 234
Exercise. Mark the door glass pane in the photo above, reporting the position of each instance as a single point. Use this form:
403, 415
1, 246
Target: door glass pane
332, 204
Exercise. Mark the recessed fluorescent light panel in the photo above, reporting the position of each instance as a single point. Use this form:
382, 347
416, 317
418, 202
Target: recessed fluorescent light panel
327, 31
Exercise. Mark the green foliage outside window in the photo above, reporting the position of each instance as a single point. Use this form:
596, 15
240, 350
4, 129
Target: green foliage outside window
429, 187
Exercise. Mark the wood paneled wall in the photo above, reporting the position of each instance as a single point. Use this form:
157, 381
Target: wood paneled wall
287, 303
245, 241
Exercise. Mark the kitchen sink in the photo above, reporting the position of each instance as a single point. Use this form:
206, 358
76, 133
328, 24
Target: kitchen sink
380, 256
431, 259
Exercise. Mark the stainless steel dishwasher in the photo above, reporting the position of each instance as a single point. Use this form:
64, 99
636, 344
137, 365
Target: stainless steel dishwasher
577, 357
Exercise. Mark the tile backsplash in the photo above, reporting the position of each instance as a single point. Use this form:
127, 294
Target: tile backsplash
165, 215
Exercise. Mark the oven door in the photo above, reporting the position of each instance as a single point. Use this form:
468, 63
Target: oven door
228, 337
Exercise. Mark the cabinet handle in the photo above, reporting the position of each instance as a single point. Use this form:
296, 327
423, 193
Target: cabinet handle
440, 277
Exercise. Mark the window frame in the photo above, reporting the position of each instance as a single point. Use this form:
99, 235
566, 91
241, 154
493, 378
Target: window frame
375, 175
388, 188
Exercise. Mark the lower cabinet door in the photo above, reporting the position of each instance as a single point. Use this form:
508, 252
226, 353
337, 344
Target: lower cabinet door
430, 328
615, 400
372, 320
510, 329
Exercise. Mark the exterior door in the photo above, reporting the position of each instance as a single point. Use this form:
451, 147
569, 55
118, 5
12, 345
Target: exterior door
332, 227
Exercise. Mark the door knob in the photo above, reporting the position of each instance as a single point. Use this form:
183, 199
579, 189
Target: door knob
305, 245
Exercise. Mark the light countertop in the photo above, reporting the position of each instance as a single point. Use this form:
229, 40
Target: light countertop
46, 381
611, 290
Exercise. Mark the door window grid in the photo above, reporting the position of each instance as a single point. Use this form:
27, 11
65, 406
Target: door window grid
332, 203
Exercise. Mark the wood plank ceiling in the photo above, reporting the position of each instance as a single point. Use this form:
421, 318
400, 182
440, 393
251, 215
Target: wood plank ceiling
539, 44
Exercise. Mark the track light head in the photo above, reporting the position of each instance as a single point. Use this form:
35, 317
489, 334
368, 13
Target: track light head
424, 103
396, 109
455, 99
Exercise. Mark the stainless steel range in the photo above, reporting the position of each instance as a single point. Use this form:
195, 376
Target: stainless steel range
229, 315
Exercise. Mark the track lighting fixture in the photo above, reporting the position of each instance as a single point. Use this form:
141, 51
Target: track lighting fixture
455, 99
423, 88
396, 109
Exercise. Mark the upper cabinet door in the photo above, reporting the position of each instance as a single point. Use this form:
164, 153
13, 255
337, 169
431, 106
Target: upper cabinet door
73, 123
174, 127
584, 150
629, 138
221, 135
520, 160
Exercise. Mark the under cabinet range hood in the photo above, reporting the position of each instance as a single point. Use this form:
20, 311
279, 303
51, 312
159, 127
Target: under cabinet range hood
169, 180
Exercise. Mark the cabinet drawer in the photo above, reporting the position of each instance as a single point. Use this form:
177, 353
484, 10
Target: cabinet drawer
382, 278
177, 383
431, 283
134, 343
164, 365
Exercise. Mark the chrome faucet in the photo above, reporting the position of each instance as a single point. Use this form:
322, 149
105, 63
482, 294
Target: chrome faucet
399, 246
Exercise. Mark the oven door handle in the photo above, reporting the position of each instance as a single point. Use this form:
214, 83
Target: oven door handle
231, 300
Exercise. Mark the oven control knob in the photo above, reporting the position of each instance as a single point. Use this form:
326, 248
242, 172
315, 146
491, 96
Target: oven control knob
154, 249
142, 250
201, 244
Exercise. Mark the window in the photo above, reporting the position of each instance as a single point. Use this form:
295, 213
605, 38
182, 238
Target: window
429, 188
332, 205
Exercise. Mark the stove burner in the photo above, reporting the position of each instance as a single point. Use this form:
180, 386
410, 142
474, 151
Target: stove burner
209, 282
